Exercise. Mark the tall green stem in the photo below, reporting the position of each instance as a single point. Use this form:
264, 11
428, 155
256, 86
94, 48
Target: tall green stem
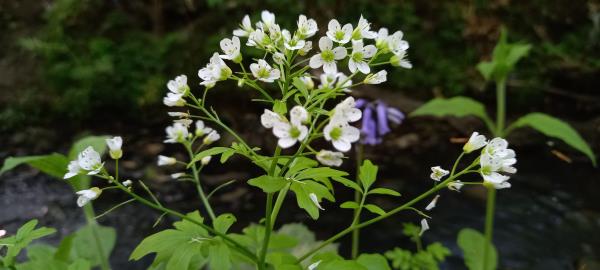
268, 214
489, 224
500, 106
88, 209
196, 176
357, 198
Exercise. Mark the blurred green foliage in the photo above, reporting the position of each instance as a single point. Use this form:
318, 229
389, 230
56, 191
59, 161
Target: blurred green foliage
98, 57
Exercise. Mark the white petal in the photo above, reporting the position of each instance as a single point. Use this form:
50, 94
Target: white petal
286, 142
325, 44
316, 61
340, 53
330, 67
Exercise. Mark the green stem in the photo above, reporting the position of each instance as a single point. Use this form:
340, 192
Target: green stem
489, 224
456, 163
268, 213
88, 209
357, 199
201, 193
500, 106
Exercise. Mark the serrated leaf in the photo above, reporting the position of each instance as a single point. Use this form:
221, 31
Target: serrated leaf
223, 222
54, 165
472, 244
384, 191
456, 106
268, 184
367, 174
375, 209
349, 205
208, 152
556, 128
373, 262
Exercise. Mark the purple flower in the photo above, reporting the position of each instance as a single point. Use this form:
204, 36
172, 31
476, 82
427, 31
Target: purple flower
375, 119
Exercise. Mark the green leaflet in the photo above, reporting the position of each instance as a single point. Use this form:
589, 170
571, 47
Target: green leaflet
373, 262
367, 174
54, 165
16, 243
83, 247
384, 191
456, 106
208, 152
556, 128
304, 189
472, 244
268, 184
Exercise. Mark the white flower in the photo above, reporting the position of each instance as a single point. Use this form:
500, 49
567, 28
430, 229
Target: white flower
275, 33
314, 265
245, 28
307, 47
328, 56
174, 100
346, 111
455, 185
360, 55
87, 195
290, 132
490, 171
258, 38
269, 118
201, 129
205, 160
376, 78
396, 44
177, 175
424, 226
268, 19
2, 233
315, 200
307, 81
433, 202
292, 43
398, 60
330, 158
382, 39
338, 33
279, 58
90, 161
497, 147
176, 133
73, 169
437, 173
213, 136
179, 85
215, 70
341, 134
335, 80
508, 161
164, 160
179, 114
475, 142
306, 27
264, 72
363, 30
127, 183
185, 122
114, 145
231, 48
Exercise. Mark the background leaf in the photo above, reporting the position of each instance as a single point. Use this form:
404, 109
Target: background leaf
556, 128
456, 106
54, 165
472, 244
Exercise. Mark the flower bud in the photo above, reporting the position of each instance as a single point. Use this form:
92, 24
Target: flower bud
127, 183
205, 160
164, 160
241, 83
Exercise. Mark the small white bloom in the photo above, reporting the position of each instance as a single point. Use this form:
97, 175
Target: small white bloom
497, 147
290, 132
73, 169
346, 111
396, 44
475, 142
363, 30
176, 133
382, 39
231, 48
264, 72
258, 38
341, 134
315, 200
245, 28
328, 56
376, 78
424, 226
335, 80
205, 160
174, 100
279, 58
269, 118
127, 183
330, 158
185, 122
90, 161
213, 136
201, 129
179, 114
164, 160
292, 43
490, 167
308, 82
87, 195
268, 19
338, 33
307, 47
360, 55
177, 175
398, 60
2, 233
433, 202
114, 145
455, 185
179, 85
437, 173
314, 265
306, 27
215, 70
275, 34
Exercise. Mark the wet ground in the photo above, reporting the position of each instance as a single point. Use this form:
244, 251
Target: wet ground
548, 220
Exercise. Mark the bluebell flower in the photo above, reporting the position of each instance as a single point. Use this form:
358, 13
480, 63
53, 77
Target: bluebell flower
376, 120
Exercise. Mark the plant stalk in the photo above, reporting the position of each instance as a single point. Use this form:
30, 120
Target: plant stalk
489, 224
500, 107
357, 198
201, 193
